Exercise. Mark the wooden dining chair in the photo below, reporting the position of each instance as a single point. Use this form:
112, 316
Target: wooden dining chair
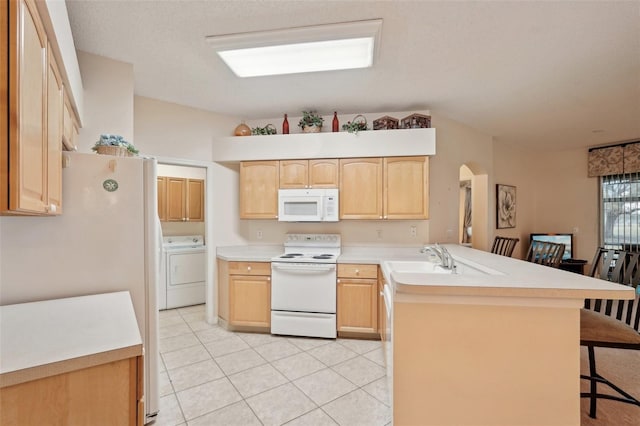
504, 246
611, 323
545, 253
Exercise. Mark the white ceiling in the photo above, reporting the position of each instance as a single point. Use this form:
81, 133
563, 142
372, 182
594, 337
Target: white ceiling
552, 75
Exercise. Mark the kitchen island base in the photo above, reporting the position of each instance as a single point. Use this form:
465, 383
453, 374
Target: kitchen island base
478, 363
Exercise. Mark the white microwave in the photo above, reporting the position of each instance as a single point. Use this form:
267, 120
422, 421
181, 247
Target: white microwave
308, 205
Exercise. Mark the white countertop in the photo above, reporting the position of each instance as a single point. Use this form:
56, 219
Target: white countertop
249, 253
350, 254
40, 339
507, 277
517, 278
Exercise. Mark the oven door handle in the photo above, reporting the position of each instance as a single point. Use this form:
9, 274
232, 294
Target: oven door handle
302, 269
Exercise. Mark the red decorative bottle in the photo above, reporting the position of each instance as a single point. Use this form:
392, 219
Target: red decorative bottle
285, 126
335, 125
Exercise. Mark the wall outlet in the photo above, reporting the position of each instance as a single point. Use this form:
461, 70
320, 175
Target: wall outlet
414, 231
379, 233
259, 234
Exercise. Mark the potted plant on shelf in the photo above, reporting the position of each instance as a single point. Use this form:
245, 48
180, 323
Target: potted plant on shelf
114, 145
310, 122
358, 124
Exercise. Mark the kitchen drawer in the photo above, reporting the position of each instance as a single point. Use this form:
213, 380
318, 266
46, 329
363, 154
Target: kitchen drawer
351, 270
249, 268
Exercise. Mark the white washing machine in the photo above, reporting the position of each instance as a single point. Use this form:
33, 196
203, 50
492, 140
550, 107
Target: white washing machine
185, 272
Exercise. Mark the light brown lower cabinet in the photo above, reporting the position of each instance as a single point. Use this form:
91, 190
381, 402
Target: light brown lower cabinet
106, 394
244, 295
358, 300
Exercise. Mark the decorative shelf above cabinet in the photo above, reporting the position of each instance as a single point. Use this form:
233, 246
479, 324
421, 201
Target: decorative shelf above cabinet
371, 143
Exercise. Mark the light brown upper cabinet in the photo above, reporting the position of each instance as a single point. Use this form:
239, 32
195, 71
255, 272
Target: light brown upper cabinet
70, 128
195, 200
162, 198
55, 108
183, 199
384, 188
24, 152
322, 173
32, 119
406, 188
361, 188
259, 182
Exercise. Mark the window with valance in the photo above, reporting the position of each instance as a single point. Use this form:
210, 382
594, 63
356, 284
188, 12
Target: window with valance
614, 160
619, 170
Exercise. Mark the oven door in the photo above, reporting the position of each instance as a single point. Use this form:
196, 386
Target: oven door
303, 287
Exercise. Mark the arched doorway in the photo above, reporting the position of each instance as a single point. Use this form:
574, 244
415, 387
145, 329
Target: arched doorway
474, 207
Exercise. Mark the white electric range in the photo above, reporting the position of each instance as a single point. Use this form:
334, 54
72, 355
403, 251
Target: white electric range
303, 286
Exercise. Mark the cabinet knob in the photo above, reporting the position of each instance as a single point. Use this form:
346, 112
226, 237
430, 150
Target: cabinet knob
357, 271
338, 279
248, 268
380, 217
385, 216
51, 208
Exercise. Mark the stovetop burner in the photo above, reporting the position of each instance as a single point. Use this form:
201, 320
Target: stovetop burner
310, 248
323, 256
291, 255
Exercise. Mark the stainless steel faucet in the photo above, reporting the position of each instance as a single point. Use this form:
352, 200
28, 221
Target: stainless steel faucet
446, 260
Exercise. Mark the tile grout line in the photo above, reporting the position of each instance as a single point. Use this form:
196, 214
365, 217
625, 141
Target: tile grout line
270, 364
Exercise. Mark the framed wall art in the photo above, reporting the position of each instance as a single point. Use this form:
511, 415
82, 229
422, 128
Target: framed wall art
506, 206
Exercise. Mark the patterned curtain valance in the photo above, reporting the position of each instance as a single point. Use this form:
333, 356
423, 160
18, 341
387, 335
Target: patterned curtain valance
614, 160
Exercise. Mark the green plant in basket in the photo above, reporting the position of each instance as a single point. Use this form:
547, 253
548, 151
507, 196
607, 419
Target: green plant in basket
266, 130
115, 141
358, 124
310, 119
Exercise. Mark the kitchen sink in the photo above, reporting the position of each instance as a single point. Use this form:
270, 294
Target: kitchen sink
423, 267
413, 267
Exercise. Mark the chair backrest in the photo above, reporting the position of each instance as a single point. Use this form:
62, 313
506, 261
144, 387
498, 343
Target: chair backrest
545, 253
504, 246
622, 267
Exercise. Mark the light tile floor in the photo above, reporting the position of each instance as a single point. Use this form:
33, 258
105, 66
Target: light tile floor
210, 376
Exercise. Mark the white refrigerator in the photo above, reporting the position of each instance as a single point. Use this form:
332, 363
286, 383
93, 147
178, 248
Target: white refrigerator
108, 238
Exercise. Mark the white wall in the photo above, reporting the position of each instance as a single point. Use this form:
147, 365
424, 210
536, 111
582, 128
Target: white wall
566, 200
173, 131
457, 144
517, 167
108, 99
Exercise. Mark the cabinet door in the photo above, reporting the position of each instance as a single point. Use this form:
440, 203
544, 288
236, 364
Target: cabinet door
259, 182
54, 136
406, 185
323, 173
357, 305
176, 199
68, 126
294, 174
162, 198
382, 308
361, 188
250, 300
195, 200
27, 181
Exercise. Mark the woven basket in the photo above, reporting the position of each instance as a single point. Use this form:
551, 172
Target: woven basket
118, 151
311, 129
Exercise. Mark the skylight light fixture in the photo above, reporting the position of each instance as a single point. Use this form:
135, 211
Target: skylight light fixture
329, 47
